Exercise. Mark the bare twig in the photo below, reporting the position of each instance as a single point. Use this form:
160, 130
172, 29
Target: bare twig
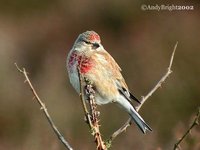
169, 71
144, 98
82, 97
44, 109
195, 123
86, 91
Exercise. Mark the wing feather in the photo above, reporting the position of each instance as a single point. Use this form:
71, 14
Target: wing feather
107, 70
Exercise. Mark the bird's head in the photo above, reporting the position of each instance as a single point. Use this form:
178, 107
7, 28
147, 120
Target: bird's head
88, 40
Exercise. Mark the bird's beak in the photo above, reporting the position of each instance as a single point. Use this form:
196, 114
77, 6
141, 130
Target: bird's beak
96, 45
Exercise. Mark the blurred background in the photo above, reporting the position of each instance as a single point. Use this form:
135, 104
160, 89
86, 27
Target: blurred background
39, 34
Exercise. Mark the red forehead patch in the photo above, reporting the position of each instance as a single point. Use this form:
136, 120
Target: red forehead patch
94, 37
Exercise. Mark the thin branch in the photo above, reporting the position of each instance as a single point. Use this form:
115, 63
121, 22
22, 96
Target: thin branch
144, 98
86, 91
162, 80
44, 109
195, 123
82, 97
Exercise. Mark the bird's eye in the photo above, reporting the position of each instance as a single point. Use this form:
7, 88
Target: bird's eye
87, 42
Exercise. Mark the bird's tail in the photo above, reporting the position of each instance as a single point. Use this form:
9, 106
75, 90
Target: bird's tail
125, 104
139, 121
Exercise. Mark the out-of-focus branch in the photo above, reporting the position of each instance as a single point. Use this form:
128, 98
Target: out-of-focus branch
144, 98
87, 92
43, 108
195, 123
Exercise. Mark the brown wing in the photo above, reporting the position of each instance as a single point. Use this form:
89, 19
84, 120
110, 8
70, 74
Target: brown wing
114, 68
115, 71
106, 76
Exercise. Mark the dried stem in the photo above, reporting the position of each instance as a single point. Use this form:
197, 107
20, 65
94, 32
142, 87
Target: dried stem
87, 91
44, 109
195, 123
144, 98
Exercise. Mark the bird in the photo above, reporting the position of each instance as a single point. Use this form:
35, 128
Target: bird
100, 68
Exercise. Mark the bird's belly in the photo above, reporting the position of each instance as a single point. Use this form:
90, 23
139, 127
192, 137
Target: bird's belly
102, 100
105, 90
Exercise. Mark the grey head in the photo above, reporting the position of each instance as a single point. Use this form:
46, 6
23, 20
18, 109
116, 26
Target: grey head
88, 39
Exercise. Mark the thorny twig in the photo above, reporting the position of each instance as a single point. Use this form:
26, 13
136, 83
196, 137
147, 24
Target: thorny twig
86, 91
195, 123
44, 109
144, 98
